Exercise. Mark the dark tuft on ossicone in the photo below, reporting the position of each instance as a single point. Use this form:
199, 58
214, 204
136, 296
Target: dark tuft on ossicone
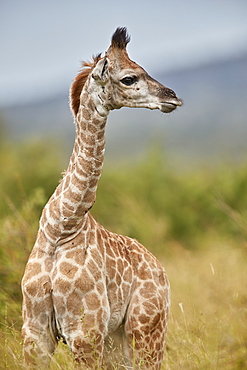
120, 38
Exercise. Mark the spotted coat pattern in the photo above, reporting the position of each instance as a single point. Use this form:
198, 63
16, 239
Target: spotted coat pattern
83, 283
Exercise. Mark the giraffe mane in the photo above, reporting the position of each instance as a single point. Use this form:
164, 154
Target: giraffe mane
79, 82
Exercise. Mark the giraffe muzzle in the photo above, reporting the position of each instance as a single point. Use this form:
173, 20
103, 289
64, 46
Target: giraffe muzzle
169, 106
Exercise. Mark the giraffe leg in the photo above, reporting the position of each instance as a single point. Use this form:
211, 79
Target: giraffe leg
145, 330
146, 349
87, 348
38, 346
39, 330
114, 352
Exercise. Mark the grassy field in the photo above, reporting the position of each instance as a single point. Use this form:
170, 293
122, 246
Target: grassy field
195, 222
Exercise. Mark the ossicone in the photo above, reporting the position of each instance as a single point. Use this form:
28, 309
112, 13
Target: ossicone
120, 38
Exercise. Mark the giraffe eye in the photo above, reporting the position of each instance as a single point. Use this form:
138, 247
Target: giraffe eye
129, 80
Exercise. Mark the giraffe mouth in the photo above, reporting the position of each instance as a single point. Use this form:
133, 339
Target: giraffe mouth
167, 107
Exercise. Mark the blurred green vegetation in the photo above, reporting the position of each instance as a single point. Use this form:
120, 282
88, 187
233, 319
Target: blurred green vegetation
165, 210
155, 204
146, 200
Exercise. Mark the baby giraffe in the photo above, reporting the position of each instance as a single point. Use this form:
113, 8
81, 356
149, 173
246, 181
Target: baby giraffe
83, 283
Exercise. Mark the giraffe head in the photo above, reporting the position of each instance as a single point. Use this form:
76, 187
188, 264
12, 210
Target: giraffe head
116, 81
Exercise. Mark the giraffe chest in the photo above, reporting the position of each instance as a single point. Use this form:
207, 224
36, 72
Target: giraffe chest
87, 282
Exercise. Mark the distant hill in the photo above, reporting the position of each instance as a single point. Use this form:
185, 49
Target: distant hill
210, 127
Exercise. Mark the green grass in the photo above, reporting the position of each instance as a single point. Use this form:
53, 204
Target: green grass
194, 222
208, 324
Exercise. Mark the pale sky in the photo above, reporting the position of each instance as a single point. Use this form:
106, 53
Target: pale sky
43, 41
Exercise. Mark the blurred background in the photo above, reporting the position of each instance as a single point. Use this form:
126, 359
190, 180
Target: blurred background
197, 48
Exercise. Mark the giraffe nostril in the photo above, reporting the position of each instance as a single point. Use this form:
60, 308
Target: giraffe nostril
165, 92
170, 93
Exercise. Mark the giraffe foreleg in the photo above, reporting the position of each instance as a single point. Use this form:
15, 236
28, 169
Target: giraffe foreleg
39, 330
87, 348
38, 347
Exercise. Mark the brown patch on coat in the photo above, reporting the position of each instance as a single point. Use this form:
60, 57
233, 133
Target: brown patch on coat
68, 269
92, 301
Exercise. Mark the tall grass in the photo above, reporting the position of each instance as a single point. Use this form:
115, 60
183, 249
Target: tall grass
194, 222
208, 324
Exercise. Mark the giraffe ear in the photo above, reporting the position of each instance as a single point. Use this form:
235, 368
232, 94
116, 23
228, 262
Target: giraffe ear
101, 71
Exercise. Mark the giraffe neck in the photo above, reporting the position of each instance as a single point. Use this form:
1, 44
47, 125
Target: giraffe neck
65, 213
